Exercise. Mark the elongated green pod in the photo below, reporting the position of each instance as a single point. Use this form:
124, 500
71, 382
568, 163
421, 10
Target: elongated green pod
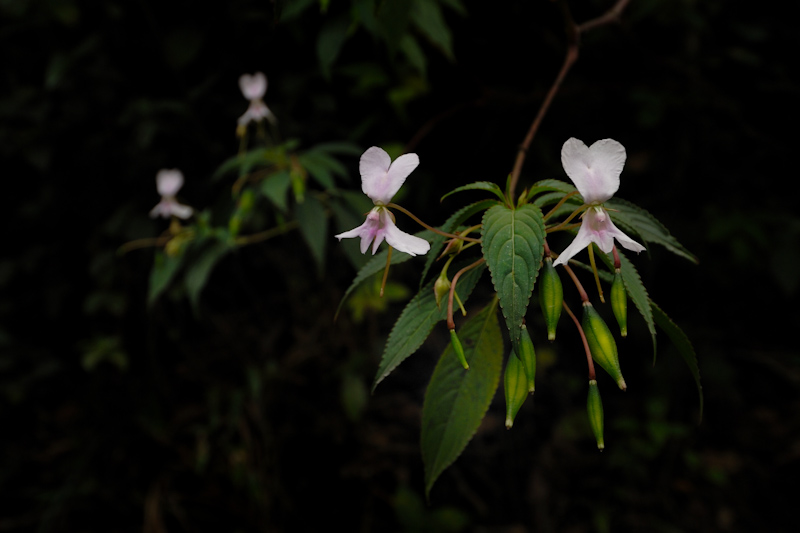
602, 343
458, 349
515, 383
551, 296
619, 303
594, 407
528, 357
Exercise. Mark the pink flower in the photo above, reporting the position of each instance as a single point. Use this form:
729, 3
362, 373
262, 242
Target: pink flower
254, 88
380, 180
595, 172
168, 183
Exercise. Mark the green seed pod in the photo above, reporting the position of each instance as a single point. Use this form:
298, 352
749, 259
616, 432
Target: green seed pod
619, 303
551, 296
601, 343
441, 288
528, 357
458, 349
594, 407
516, 387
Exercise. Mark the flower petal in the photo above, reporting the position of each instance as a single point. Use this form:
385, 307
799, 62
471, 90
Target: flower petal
169, 182
581, 241
369, 230
597, 228
253, 87
380, 178
180, 210
594, 170
404, 242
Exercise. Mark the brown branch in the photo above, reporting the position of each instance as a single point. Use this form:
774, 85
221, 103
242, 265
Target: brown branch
573, 32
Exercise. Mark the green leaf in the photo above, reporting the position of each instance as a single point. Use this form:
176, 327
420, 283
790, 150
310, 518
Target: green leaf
681, 341
393, 18
549, 186
457, 399
199, 270
314, 228
378, 263
164, 269
513, 247
322, 167
450, 225
414, 54
635, 289
329, 43
417, 320
275, 187
634, 219
479, 186
428, 18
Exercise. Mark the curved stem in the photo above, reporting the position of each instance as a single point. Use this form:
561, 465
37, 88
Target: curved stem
426, 226
450, 323
573, 32
267, 234
559, 204
589, 360
584, 296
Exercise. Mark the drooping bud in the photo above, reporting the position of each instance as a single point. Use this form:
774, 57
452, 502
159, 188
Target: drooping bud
551, 296
516, 387
619, 303
458, 349
453, 247
594, 406
528, 357
441, 288
601, 343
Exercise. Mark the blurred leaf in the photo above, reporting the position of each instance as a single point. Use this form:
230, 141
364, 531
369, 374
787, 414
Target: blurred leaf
394, 17
100, 349
199, 269
314, 227
275, 187
322, 167
164, 269
428, 18
457, 399
292, 9
414, 54
354, 396
330, 41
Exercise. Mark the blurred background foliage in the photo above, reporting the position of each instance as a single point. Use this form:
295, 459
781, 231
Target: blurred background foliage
244, 407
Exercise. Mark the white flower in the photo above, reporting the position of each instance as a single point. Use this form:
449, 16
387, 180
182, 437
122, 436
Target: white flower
595, 172
254, 88
168, 183
380, 180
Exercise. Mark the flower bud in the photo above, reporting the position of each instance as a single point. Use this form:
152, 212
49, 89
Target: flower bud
594, 406
619, 303
601, 343
516, 387
453, 247
528, 357
441, 288
551, 296
458, 349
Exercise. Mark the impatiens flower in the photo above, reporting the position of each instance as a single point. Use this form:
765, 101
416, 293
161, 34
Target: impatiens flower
253, 88
168, 183
380, 180
595, 172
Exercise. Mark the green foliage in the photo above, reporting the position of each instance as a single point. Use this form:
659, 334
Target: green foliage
513, 246
416, 323
637, 220
457, 399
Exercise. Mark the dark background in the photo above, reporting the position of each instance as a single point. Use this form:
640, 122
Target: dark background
247, 413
